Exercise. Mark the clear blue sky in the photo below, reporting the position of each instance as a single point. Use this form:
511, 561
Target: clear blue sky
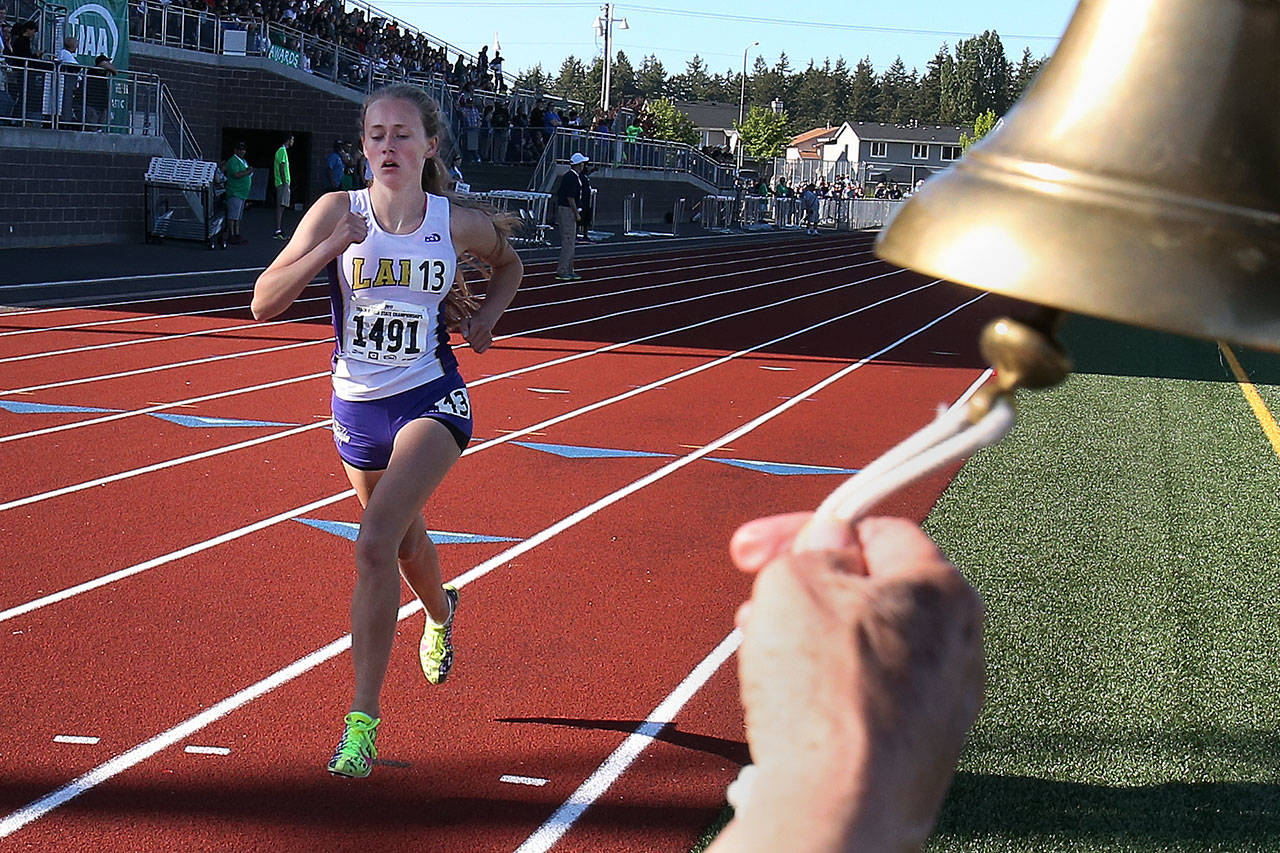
717, 30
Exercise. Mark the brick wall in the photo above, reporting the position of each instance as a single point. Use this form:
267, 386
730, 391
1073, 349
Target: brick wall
217, 92
64, 189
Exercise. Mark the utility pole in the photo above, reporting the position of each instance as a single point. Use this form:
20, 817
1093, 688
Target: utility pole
604, 27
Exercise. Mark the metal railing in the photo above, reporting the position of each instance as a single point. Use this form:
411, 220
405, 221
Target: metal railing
69, 96
175, 130
175, 26
612, 150
720, 212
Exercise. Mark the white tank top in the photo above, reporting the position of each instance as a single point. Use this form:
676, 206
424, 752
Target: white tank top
386, 293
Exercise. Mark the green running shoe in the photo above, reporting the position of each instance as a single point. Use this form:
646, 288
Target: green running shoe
355, 753
435, 652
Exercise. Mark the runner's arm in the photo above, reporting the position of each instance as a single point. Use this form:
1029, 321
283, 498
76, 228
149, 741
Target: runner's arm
319, 239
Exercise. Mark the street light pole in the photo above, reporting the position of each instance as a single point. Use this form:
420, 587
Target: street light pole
604, 27
742, 100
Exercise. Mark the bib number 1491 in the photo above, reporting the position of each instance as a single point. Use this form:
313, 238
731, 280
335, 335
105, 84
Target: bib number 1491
387, 336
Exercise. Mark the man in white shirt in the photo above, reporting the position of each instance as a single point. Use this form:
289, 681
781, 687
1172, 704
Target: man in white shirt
70, 77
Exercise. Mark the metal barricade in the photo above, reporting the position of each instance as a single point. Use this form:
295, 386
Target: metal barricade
529, 208
632, 213
183, 200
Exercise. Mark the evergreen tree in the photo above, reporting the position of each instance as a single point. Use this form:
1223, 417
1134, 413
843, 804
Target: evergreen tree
534, 79
624, 77
928, 106
841, 91
864, 96
897, 94
1026, 72
982, 79
652, 78
571, 82
694, 83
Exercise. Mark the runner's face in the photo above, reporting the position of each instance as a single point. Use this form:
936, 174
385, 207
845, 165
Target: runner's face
396, 143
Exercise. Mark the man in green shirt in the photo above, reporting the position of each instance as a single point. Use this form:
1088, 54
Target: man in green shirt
239, 179
280, 177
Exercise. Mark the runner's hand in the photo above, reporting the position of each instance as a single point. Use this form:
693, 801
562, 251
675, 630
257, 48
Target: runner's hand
351, 228
477, 330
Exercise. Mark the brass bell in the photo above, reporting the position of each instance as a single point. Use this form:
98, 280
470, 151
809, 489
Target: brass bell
1138, 180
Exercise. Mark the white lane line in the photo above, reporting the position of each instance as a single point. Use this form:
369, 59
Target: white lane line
138, 568
160, 407
130, 278
778, 369
684, 282
329, 340
160, 466
136, 319
159, 338
545, 837
548, 390
87, 586
122, 762
207, 750
534, 781
82, 740
326, 422
173, 365
819, 254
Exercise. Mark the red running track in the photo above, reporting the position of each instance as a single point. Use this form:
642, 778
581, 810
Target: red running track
161, 593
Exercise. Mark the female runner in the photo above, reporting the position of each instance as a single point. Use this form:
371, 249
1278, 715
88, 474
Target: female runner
401, 411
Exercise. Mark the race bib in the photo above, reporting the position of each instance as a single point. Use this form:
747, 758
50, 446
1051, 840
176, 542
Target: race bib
386, 332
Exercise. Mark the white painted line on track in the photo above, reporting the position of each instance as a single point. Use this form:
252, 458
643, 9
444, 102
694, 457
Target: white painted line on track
159, 338
104, 580
548, 390
115, 416
326, 422
137, 319
684, 282
130, 278
157, 368
818, 253
90, 585
207, 750
160, 466
545, 837
329, 340
103, 772
80, 740
516, 372
534, 781
778, 369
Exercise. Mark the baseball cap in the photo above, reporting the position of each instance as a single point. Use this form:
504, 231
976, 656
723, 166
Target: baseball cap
578, 158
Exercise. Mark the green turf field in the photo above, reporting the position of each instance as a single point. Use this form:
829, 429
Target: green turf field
1126, 540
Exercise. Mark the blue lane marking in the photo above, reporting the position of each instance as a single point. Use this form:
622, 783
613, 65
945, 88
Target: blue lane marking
348, 530
784, 469
20, 408
570, 451
198, 421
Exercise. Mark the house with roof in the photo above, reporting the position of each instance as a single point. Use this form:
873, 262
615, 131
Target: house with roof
714, 122
871, 152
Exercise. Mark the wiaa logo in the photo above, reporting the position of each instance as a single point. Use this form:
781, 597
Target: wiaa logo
431, 238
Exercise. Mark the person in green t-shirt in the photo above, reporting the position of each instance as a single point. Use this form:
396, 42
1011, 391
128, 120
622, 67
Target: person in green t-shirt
280, 177
633, 132
239, 179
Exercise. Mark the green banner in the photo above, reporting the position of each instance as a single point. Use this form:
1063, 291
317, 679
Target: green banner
102, 27
284, 56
